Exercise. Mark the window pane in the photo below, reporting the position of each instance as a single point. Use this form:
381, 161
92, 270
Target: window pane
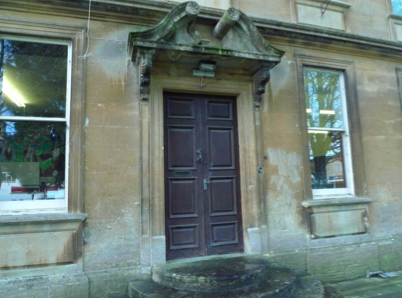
33, 79
327, 160
397, 6
323, 99
32, 160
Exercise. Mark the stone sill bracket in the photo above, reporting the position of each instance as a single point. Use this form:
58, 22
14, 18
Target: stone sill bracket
337, 216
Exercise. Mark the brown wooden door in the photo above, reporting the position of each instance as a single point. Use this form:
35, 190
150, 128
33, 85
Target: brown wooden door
202, 186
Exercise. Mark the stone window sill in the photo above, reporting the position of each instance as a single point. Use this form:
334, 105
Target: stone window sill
337, 216
336, 201
40, 239
41, 218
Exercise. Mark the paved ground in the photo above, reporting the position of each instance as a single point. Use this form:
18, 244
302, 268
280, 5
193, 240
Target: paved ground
372, 287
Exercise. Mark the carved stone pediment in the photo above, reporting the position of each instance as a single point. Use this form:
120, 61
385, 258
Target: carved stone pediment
234, 44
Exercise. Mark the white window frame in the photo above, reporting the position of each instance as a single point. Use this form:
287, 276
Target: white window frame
47, 206
348, 171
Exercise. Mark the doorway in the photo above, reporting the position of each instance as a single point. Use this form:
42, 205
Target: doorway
202, 180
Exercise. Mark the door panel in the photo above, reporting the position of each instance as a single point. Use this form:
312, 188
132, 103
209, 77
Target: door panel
202, 177
221, 110
222, 196
181, 147
182, 199
224, 233
221, 148
180, 108
184, 237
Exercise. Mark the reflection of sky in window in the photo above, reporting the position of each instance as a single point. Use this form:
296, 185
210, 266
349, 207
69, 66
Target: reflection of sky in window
10, 127
397, 6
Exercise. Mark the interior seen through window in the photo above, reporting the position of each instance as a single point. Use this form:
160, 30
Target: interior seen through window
33, 120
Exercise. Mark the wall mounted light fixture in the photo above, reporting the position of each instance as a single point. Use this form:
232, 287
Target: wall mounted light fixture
206, 69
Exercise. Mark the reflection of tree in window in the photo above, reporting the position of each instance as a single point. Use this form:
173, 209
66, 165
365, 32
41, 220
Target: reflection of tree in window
325, 123
38, 71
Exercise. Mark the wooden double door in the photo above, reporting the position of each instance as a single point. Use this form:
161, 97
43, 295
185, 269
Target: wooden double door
202, 184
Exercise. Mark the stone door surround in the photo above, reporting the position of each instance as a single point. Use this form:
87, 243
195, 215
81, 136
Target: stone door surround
166, 54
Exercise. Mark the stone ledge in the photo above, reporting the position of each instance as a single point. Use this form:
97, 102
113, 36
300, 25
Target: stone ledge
42, 218
336, 201
395, 16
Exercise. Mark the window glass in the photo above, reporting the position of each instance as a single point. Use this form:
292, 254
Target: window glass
33, 124
327, 128
323, 99
326, 160
397, 6
33, 79
32, 160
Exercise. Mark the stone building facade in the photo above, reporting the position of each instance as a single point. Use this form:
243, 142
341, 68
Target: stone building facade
133, 132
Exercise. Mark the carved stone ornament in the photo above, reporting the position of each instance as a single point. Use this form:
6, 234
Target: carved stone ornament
193, 8
261, 78
233, 13
235, 38
145, 59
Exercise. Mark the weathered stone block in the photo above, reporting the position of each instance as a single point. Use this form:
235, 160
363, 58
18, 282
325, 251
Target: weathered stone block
28, 249
49, 286
109, 281
312, 15
111, 244
342, 262
337, 216
295, 259
389, 254
338, 223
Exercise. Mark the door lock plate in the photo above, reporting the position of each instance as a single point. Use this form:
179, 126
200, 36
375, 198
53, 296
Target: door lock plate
206, 181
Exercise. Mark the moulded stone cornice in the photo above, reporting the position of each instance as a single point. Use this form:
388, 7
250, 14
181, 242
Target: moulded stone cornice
146, 13
137, 12
326, 38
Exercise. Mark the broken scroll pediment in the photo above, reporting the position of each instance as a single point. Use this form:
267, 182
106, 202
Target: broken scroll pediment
183, 30
186, 37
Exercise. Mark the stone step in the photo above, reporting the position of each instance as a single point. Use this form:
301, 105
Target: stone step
117, 296
306, 287
238, 277
217, 274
